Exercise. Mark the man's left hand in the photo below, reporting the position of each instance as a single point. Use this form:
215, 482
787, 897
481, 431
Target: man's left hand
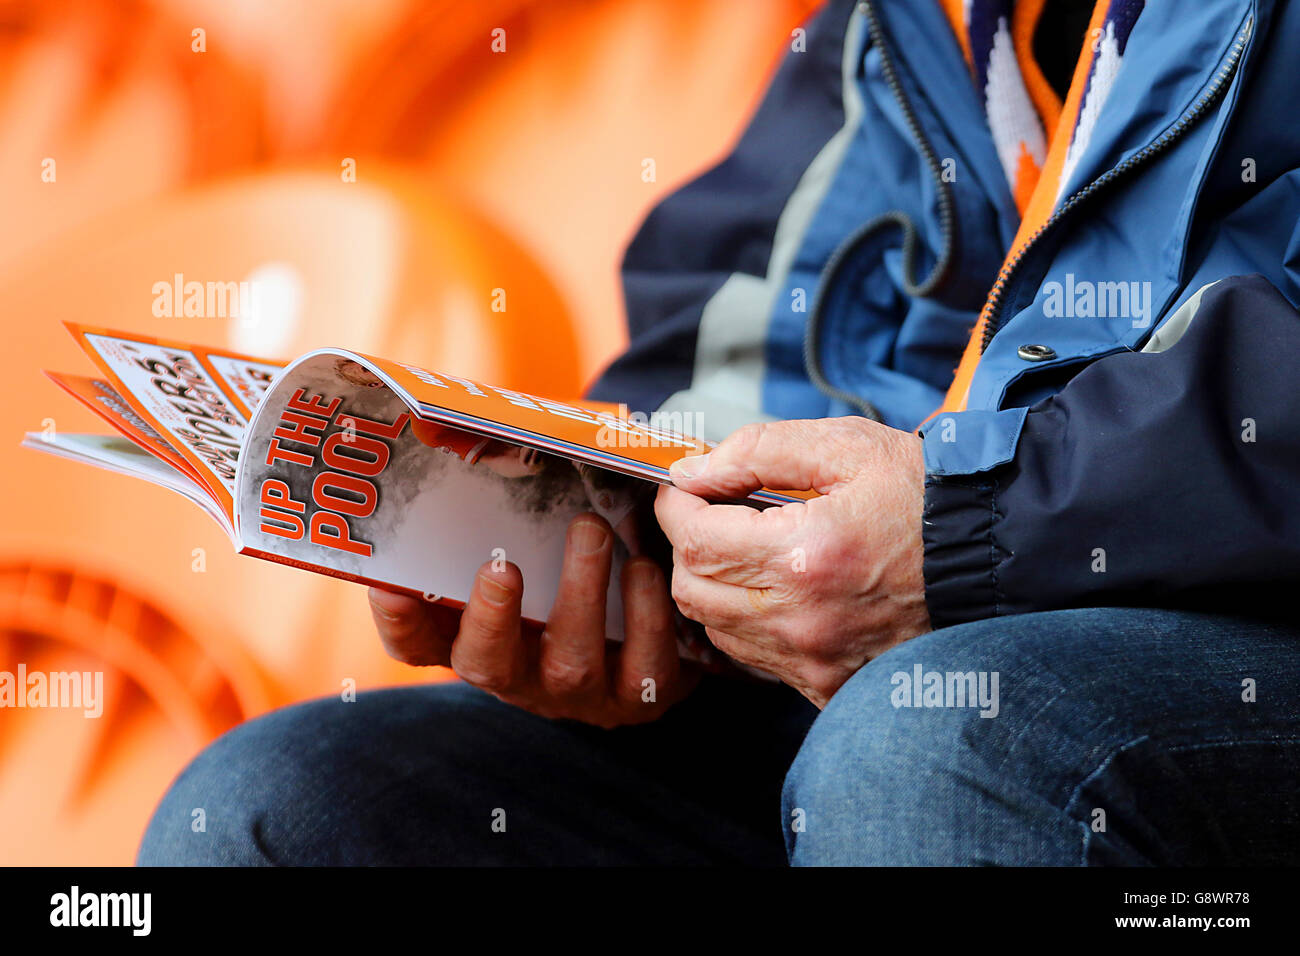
809, 591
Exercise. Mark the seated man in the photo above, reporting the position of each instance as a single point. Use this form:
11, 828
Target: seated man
1041, 612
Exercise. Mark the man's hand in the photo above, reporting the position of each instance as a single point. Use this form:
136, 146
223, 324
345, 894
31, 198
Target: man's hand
568, 669
808, 591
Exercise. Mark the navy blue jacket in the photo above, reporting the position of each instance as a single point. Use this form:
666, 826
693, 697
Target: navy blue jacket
1138, 444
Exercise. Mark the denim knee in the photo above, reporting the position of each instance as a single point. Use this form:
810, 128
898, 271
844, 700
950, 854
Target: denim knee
214, 812
317, 783
942, 751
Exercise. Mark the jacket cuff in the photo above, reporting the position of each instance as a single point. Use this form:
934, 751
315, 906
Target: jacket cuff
961, 555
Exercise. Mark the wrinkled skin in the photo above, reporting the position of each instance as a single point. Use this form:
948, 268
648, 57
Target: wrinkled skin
810, 591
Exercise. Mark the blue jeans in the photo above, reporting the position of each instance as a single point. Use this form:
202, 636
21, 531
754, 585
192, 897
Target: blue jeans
1108, 736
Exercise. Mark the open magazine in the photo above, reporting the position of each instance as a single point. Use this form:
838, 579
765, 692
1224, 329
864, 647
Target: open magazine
372, 470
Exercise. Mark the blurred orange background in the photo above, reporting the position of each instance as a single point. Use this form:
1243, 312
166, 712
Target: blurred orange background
385, 166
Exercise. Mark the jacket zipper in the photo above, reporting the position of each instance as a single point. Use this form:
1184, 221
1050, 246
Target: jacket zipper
990, 316
840, 257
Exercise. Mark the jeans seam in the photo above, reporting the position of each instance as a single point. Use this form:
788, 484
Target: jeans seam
1178, 748
1101, 767
1234, 742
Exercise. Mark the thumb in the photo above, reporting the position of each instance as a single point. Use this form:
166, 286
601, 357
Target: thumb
782, 456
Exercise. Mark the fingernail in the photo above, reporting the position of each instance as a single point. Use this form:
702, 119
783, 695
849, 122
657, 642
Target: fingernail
494, 592
645, 575
382, 611
587, 537
690, 467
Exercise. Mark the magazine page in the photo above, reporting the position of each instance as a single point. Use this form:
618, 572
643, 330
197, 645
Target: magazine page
340, 476
592, 433
197, 409
117, 454
105, 401
244, 379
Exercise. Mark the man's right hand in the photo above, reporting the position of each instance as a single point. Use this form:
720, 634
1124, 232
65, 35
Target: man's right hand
568, 670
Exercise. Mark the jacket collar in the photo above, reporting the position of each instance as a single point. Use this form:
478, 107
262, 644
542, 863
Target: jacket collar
1174, 52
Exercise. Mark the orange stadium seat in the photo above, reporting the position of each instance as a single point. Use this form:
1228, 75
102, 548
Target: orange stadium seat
476, 171
386, 269
551, 136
